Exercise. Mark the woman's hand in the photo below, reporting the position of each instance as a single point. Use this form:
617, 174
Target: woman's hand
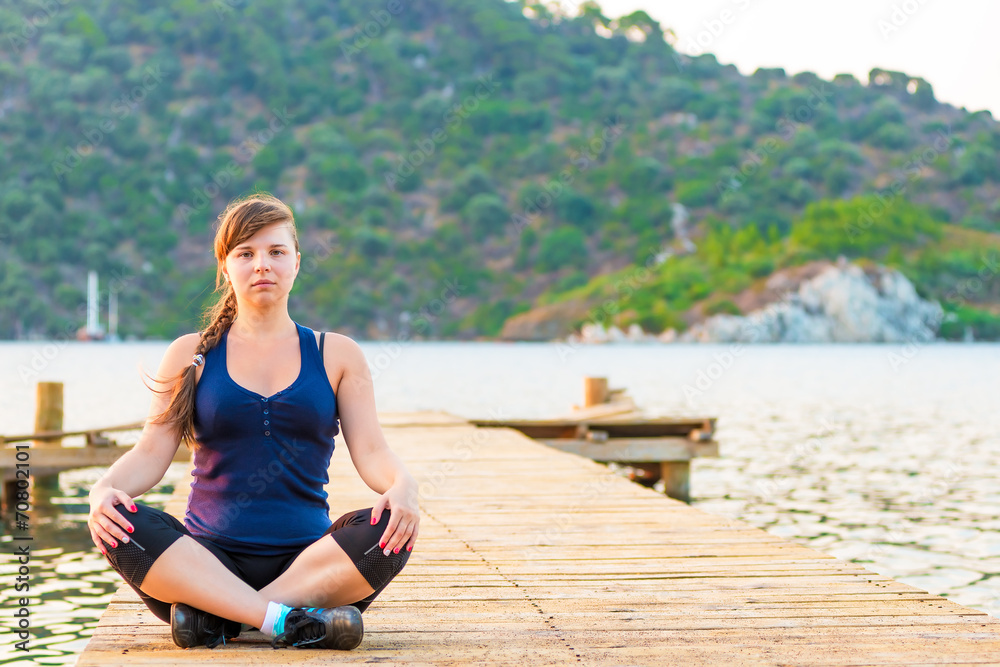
404, 519
105, 522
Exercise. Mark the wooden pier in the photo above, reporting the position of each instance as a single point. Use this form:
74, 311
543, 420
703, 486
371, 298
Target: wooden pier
610, 428
528, 555
50, 453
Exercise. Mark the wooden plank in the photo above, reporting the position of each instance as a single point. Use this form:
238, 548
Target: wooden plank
667, 448
622, 406
59, 435
529, 555
75, 457
626, 425
424, 418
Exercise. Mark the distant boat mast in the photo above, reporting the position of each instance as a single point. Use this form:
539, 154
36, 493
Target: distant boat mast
93, 331
113, 315
93, 326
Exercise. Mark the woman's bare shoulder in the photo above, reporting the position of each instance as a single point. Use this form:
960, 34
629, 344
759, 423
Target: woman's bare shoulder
347, 348
185, 344
340, 353
179, 354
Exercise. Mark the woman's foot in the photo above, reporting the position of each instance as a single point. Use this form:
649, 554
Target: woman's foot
194, 627
337, 628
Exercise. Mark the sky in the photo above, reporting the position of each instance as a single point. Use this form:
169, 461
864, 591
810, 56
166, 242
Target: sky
953, 44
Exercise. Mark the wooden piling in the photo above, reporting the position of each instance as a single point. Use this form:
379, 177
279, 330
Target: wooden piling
48, 417
676, 476
595, 391
48, 411
8, 494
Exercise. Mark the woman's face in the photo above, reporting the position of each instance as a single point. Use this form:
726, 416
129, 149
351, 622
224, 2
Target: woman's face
262, 269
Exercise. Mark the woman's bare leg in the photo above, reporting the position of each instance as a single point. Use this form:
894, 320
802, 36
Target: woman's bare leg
188, 572
323, 575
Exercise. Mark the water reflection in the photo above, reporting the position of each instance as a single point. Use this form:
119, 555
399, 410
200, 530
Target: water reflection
911, 495
71, 582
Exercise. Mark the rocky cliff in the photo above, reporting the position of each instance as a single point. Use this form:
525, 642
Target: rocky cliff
842, 304
820, 302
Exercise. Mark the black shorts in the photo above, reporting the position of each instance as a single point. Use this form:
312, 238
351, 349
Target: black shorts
155, 530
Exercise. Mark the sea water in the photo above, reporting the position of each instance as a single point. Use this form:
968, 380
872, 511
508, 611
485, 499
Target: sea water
885, 455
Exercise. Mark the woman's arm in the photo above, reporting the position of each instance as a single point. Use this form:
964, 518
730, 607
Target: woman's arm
378, 465
142, 467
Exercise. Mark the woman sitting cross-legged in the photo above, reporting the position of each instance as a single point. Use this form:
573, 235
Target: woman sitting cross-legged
257, 397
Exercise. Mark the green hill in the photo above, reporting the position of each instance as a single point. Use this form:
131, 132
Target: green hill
454, 163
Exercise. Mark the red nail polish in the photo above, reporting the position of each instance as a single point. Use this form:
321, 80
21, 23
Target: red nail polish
134, 508
130, 529
396, 550
114, 544
381, 545
409, 548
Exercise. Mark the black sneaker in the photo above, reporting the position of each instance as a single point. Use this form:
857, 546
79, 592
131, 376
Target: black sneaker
314, 627
194, 627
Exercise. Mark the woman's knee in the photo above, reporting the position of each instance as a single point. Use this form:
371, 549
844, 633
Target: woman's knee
130, 560
355, 518
153, 531
359, 538
146, 519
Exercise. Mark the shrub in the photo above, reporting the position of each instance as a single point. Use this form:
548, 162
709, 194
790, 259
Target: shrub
486, 214
717, 306
565, 246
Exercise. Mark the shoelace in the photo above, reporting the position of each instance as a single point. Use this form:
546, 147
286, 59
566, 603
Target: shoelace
301, 631
218, 637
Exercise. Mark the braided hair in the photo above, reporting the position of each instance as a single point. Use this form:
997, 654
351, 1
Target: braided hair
242, 219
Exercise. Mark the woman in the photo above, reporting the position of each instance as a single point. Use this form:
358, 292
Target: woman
256, 396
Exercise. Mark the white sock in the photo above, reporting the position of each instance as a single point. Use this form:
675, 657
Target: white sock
274, 619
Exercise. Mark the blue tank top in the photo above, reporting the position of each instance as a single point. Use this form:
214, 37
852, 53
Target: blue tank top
261, 469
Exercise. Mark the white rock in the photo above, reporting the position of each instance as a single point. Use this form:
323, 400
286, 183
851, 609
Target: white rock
841, 304
615, 335
668, 336
593, 332
635, 333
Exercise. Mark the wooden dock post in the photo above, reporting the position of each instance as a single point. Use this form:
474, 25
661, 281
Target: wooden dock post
595, 391
8, 495
48, 417
48, 411
676, 476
